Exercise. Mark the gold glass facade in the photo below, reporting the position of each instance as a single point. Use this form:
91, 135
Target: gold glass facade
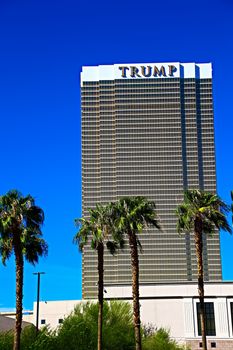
149, 137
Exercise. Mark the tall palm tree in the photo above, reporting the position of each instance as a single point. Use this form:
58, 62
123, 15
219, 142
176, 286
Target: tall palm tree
201, 212
96, 230
131, 215
20, 234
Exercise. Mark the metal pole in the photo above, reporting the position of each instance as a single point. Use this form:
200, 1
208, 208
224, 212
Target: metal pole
38, 298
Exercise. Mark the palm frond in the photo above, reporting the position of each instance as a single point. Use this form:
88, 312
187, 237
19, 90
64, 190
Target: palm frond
206, 206
97, 228
34, 216
6, 249
34, 248
112, 247
132, 214
20, 216
139, 245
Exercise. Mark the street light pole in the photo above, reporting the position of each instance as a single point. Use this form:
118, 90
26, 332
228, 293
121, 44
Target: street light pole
38, 298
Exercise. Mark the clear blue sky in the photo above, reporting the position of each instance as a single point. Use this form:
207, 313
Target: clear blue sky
43, 45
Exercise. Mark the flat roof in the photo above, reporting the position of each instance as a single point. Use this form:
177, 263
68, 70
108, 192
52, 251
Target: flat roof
146, 71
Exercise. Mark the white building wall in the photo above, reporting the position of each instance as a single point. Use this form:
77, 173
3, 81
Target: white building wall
178, 315
188, 318
222, 324
171, 306
166, 313
52, 311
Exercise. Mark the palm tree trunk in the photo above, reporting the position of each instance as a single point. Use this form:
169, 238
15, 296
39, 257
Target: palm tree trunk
200, 276
135, 289
19, 291
100, 251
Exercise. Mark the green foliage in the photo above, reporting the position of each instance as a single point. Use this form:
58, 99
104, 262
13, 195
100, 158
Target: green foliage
6, 340
161, 340
207, 207
98, 228
46, 339
79, 330
21, 235
148, 330
132, 214
28, 337
19, 216
118, 328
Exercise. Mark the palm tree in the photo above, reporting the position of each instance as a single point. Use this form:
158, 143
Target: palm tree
131, 215
20, 234
201, 212
97, 229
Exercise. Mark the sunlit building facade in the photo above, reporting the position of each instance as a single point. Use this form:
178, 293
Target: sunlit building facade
147, 129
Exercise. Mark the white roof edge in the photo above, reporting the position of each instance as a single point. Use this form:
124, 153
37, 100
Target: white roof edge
116, 71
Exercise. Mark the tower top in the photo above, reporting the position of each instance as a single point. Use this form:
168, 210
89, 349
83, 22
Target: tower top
146, 70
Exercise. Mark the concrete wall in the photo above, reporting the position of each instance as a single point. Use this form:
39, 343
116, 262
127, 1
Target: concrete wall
164, 313
169, 306
52, 311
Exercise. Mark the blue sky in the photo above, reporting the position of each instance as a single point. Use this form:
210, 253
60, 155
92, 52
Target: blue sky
43, 45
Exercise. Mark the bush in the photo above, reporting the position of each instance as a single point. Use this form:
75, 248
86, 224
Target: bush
118, 330
45, 340
161, 340
79, 330
6, 340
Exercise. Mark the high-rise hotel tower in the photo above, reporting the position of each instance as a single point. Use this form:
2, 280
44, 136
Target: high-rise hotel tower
147, 129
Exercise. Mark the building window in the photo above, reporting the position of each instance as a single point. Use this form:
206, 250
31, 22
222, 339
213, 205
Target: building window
43, 322
209, 319
60, 320
231, 307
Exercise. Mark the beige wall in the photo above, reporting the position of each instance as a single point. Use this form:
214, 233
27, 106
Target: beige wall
170, 306
164, 313
52, 311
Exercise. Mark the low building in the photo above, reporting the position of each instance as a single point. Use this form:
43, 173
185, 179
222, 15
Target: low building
174, 306
7, 322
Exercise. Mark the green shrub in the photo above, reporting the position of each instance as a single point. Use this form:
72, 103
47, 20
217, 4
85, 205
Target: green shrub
79, 330
6, 340
161, 340
45, 340
118, 330
28, 337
